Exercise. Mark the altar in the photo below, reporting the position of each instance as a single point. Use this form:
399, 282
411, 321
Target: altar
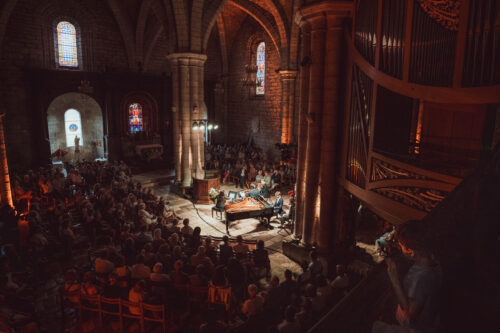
149, 152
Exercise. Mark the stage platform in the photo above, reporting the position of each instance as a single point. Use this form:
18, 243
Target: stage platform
201, 216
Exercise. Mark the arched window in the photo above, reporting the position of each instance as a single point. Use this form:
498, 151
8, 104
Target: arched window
261, 69
73, 127
135, 118
66, 45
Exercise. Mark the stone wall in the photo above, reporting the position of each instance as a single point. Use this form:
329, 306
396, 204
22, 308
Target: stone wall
251, 116
91, 144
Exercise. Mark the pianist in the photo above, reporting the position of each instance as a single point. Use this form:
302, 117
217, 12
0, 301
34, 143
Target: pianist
220, 201
278, 204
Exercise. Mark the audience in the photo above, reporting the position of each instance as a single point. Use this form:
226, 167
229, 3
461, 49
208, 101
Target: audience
137, 250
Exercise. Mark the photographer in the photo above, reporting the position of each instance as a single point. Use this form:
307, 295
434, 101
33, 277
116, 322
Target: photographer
417, 294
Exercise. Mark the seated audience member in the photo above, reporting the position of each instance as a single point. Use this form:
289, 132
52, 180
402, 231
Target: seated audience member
418, 295
289, 323
317, 300
315, 266
267, 179
112, 288
225, 250
142, 237
88, 287
275, 179
123, 271
276, 297
241, 249
158, 275
219, 277
137, 295
210, 249
144, 215
305, 315
72, 287
178, 277
102, 264
186, 230
174, 228
264, 191
342, 279
261, 260
157, 239
254, 304
195, 240
140, 270
382, 243
198, 279
289, 286
201, 258
259, 178
324, 288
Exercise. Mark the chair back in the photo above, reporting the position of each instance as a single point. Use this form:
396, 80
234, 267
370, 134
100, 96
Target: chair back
219, 295
133, 305
111, 306
153, 312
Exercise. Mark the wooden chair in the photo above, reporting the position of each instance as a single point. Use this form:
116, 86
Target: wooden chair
155, 314
91, 304
198, 294
130, 315
220, 295
112, 307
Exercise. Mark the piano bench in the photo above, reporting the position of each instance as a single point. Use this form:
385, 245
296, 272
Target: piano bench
217, 211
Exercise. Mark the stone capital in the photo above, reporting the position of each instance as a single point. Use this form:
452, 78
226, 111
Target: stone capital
329, 9
287, 74
191, 58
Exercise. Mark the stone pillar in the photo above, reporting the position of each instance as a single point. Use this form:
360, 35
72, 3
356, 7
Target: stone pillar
188, 101
321, 110
287, 104
5, 191
302, 128
176, 125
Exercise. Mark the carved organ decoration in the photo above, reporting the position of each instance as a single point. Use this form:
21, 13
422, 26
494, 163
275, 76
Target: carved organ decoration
416, 197
445, 12
410, 188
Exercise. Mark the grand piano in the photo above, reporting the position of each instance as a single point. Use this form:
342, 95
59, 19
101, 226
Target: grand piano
248, 208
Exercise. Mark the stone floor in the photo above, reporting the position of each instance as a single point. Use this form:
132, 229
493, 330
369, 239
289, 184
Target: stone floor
201, 216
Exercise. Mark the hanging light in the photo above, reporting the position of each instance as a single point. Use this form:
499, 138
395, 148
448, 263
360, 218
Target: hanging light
195, 126
210, 126
216, 127
202, 126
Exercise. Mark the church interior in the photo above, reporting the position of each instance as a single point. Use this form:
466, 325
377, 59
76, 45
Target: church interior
250, 166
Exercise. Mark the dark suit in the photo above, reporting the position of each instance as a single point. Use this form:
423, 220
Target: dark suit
243, 175
278, 205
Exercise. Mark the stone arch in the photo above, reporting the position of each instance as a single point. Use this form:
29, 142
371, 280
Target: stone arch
91, 122
259, 15
126, 30
5, 12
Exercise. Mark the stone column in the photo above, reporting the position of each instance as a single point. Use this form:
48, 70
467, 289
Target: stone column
287, 104
187, 81
302, 128
321, 110
5, 191
176, 125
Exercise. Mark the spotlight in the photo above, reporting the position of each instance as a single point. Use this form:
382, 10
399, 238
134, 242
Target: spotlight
216, 126
202, 126
195, 126
210, 126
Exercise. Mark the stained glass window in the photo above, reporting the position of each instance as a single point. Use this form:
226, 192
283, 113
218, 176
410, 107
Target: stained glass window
73, 127
261, 69
135, 117
66, 45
